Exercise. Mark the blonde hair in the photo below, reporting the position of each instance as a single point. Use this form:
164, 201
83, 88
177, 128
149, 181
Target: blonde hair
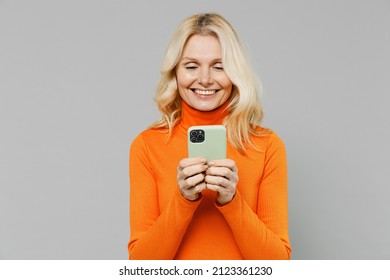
245, 110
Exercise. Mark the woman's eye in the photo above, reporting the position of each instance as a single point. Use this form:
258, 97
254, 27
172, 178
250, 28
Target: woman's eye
218, 67
190, 67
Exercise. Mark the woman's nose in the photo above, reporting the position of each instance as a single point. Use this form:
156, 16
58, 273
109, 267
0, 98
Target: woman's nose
205, 78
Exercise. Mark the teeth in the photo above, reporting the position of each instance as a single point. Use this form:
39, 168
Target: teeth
204, 92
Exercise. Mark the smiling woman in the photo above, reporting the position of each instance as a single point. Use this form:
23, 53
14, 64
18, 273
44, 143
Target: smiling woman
187, 208
201, 81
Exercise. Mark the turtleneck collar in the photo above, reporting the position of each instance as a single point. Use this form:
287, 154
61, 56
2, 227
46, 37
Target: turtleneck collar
191, 116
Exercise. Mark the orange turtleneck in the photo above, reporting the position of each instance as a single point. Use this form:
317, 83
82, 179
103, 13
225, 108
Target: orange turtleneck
164, 225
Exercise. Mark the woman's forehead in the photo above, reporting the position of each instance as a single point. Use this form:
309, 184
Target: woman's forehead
202, 46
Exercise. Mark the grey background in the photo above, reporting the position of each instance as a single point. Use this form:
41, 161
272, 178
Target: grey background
76, 85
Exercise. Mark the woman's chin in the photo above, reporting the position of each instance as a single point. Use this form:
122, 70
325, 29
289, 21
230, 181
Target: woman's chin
205, 106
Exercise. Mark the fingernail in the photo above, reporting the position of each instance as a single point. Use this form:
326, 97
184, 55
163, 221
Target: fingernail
211, 162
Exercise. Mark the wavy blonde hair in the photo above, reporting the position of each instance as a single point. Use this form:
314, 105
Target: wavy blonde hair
245, 109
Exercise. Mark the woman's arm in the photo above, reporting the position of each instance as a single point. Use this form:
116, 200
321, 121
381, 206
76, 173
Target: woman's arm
154, 235
263, 234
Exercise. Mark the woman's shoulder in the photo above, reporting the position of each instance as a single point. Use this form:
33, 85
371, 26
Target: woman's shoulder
262, 131
147, 139
155, 132
152, 134
264, 134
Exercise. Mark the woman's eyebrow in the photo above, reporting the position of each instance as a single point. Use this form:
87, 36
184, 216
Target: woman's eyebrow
189, 58
196, 60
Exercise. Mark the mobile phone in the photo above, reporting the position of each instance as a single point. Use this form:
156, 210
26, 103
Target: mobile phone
208, 141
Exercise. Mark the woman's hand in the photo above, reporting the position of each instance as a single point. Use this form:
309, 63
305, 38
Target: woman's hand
190, 177
222, 177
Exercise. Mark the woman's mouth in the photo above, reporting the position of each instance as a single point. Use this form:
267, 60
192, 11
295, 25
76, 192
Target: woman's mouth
204, 92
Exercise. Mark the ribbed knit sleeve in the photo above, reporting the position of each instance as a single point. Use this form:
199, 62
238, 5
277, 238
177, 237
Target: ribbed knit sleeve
263, 234
154, 234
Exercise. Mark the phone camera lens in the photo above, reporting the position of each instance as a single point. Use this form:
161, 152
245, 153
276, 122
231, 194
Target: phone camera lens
193, 133
197, 136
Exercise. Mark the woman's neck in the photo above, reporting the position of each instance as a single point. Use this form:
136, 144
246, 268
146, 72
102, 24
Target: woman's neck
191, 116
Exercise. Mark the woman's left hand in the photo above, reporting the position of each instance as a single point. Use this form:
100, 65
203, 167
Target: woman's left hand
222, 177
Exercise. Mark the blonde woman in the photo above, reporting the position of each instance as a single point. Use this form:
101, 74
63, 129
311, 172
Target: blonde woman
185, 208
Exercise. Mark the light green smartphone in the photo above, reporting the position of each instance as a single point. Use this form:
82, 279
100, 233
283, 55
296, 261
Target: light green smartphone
208, 141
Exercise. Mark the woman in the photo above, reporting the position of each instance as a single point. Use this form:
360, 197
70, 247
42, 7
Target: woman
185, 208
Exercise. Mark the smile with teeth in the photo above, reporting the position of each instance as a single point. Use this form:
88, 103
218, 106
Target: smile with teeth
204, 92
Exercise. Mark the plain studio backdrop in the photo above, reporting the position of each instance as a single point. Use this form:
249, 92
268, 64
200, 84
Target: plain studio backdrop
77, 80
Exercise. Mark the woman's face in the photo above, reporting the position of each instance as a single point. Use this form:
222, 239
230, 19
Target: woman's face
201, 80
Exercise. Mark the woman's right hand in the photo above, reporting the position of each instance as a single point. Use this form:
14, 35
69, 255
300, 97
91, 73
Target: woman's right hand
190, 177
